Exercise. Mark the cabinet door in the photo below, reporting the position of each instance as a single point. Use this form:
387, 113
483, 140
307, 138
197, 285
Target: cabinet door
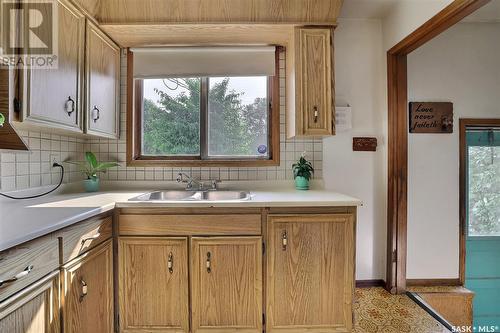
53, 97
153, 282
34, 309
88, 291
103, 83
310, 273
314, 80
226, 285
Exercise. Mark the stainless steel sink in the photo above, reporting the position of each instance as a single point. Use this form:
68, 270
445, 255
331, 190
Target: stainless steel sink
193, 196
170, 196
225, 195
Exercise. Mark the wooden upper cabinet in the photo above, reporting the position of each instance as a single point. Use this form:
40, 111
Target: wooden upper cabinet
313, 92
310, 273
88, 291
53, 97
153, 275
33, 310
226, 285
103, 84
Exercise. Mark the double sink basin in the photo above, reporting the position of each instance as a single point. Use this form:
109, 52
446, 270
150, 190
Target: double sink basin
175, 195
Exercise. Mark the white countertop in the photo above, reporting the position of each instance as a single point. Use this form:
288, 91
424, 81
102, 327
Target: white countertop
23, 220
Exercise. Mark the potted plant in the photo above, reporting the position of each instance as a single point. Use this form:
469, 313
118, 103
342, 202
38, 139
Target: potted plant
302, 172
90, 168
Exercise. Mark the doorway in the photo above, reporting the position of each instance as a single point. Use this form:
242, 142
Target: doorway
480, 210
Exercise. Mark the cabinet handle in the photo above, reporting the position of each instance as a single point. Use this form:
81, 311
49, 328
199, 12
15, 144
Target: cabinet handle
18, 276
85, 240
84, 289
96, 113
69, 106
284, 240
170, 263
316, 114
209, 262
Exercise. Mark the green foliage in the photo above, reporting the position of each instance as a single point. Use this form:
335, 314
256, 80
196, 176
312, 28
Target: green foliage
173, 126
484, 191
303, 168
91, 167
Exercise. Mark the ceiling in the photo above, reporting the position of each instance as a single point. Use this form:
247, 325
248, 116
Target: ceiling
378, 9
487, 13
367, 9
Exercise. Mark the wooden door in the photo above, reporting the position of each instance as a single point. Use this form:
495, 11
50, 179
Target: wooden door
226, 284
88, 291
53, 97
34, 309
103, 83
153, 283
314, 80
310, 273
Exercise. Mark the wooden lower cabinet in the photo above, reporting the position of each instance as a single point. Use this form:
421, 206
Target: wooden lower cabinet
310, 273
35, 309
153, 284
226, 284
88, 291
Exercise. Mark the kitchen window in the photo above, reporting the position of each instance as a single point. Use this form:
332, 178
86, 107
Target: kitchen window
213, 106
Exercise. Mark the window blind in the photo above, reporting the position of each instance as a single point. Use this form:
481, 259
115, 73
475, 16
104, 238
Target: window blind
167, 62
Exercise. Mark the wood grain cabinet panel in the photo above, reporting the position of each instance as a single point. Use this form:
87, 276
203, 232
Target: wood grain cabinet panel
88, 291
310, 273
103, 83
226, 285
53, 97
153, 275
313, 89
26, 263
33, 310
81, 237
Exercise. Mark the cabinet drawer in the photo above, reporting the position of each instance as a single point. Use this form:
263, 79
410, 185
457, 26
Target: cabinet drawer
81, 237
34, 309
173, 225
26, 263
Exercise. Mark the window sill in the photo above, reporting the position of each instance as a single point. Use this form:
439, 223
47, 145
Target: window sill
201, 163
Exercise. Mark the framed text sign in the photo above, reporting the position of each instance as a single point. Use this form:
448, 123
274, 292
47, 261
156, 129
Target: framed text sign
431, 117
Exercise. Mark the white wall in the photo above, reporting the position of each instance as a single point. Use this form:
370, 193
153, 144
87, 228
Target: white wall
406, 16
461, 66
360, 82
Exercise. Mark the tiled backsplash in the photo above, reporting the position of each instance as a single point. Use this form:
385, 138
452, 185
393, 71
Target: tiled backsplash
22, 170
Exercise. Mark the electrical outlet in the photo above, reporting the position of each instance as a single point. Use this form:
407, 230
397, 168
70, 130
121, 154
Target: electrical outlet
54, 158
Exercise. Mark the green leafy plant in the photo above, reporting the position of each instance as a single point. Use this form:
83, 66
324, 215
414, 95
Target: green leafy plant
303, 168
91, 167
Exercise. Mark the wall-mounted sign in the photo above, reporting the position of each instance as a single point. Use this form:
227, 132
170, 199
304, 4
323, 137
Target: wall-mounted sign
431, 117
364, 144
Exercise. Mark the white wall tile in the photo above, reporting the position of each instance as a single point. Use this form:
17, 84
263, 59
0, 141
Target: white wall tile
22, 170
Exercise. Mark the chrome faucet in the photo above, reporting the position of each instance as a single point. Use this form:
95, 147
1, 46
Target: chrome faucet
185, 178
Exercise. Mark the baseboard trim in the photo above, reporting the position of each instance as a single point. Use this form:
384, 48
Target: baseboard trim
432, 282
369, 283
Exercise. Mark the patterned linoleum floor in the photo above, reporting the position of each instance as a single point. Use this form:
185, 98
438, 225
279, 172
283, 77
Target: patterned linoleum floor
377, 311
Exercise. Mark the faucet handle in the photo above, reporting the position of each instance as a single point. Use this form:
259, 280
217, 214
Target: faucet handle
214, 183
179, 178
